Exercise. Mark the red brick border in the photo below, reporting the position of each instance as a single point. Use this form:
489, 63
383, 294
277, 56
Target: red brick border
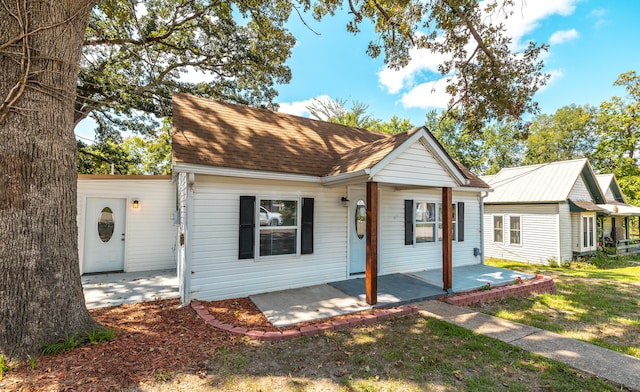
309, 330
540, 284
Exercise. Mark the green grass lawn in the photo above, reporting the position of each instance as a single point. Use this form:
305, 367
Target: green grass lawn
599, 305
405, 354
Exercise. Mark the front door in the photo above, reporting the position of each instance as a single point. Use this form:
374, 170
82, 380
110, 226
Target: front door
104, 235
357, 231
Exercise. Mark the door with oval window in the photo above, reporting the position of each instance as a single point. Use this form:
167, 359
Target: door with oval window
357, 231
104, 235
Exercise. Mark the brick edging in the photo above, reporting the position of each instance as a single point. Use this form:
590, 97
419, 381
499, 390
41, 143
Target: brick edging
309, 330
540, 284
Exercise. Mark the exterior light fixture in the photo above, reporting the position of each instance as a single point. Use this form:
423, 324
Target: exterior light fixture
344, 201
136, 204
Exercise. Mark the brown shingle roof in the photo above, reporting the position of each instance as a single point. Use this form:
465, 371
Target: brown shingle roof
214, 133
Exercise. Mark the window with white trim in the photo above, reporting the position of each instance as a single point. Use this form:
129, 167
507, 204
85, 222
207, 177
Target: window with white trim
453, 221
588, 228
515, 230
425, 221
274, 227
498, 228
279, 227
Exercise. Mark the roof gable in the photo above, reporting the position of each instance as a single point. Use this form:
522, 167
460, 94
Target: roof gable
610, 187
545, 183
223, 135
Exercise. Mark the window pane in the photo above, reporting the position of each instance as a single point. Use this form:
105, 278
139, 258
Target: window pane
361, 219
278, 242
278, 213
278, 227
106, 224
453, 226
497, 229
425, 222
514, 222
585, 232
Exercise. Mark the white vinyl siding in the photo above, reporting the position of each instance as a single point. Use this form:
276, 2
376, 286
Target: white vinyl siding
216, 271
580, 192
565, 233
415, 166
394, 256
150, 234
538, 233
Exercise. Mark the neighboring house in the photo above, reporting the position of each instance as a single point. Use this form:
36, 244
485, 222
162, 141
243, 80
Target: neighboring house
615, 228
269, 201
126, 223
553, 211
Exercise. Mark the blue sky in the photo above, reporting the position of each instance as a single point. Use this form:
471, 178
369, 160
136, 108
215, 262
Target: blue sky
591, 43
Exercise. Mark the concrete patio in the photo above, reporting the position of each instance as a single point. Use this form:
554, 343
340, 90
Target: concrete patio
112, 289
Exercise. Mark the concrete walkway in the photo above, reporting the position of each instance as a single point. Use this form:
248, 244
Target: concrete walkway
601, 362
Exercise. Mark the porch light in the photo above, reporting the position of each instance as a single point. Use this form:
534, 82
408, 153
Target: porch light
344, 201
136, 204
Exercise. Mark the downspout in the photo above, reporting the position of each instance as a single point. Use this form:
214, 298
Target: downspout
482, 233
185, 271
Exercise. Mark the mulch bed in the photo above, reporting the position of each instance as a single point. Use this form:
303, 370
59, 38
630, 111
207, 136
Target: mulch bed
153, 340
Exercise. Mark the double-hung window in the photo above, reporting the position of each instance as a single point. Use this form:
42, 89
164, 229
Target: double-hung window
425, 216
423, 222
514, 230
498, 228
274, 227
587, 232
279, 227
453, 222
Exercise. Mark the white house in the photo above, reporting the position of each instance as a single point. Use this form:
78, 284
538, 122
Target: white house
126, 223
269, 201
553, 211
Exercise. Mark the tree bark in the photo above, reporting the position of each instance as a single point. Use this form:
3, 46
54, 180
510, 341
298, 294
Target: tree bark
41, 298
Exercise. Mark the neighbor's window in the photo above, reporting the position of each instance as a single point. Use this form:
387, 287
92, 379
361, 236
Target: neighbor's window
425, 217
498, 228
514, 230
453, 225
587, 231
279, 227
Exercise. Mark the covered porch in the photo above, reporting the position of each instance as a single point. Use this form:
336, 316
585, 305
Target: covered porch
289, 307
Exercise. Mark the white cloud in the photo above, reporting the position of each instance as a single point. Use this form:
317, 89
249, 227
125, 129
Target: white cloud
299, 108
562, 36
427, 95
525, 19
554, 75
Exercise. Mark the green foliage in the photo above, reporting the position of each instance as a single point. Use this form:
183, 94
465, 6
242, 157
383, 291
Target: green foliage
147, 154
137, 53
4, 366
32, 362
491, 82
70, 342
496, 147
567, 134
358, 115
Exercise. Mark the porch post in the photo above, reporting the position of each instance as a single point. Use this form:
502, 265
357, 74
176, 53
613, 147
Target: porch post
371, 271
447, 230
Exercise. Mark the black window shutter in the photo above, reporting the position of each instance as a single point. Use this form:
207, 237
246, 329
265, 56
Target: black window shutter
247, 227
306, 234
408, 222
460, 221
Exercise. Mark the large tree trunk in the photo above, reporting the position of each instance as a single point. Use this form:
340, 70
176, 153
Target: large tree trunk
41, 297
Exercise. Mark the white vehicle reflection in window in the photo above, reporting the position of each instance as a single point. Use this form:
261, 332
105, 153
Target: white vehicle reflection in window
268, 218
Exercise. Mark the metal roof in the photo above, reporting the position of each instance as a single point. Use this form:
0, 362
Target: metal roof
545, 183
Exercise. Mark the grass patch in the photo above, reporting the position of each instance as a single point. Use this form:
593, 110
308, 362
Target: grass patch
4, 366
96, 336
596, 305
410, 354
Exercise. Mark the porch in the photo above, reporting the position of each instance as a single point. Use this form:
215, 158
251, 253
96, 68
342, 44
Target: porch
288, 307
